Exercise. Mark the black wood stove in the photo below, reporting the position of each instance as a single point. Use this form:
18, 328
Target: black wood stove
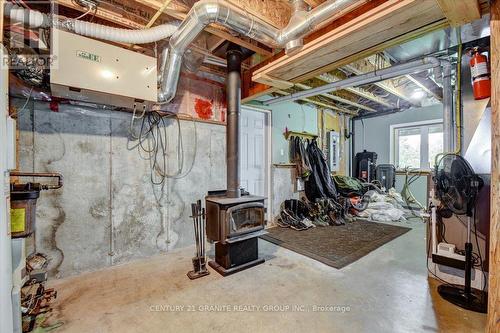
234, 221
235, 225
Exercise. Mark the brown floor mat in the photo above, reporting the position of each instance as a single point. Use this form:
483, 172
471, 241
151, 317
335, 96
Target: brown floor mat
336, 246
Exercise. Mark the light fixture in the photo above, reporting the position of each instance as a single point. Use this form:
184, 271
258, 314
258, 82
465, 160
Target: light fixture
417, 94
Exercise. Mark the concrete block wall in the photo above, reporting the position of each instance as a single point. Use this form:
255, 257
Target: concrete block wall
106, 212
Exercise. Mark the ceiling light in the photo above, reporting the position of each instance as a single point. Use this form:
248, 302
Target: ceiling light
418, 94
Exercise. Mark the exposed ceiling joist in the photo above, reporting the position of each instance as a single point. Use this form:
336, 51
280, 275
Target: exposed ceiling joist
275, 13
103, 14
213, 29
427, 85
387, 24
213, 42
315, 101
314, 3
369, 65
338, 98
172, 10
460, 12
332, 77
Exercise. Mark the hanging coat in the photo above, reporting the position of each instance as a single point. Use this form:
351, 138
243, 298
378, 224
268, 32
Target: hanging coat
300, 157
320, 183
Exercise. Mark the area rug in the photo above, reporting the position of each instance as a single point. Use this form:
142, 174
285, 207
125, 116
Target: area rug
336, 246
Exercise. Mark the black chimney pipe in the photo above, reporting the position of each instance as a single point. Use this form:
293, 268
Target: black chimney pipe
233, 92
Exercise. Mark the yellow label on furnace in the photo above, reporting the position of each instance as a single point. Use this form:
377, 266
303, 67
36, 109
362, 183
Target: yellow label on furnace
17, 217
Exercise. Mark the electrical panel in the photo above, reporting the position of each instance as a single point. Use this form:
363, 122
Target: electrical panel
91, 71
333, 150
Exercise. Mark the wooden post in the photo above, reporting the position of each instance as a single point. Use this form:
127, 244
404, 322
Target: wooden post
494, 264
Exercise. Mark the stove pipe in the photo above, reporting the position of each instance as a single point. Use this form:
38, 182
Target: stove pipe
233, 92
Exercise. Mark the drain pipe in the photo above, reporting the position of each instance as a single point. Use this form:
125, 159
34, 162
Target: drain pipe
233, 92
367, 78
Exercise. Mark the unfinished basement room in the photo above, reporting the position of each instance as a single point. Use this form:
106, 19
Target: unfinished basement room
250, 166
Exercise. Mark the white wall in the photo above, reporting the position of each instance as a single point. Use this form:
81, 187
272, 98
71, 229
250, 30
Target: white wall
373, 134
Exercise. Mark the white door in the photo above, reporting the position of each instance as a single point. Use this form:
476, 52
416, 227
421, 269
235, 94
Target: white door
253, 149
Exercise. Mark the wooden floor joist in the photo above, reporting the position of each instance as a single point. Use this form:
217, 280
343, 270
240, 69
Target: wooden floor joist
213, 29
460, 12
338, 98
369, 65
114, 17
329, 78
362, 36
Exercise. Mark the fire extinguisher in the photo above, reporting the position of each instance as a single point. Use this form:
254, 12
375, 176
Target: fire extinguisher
480, 73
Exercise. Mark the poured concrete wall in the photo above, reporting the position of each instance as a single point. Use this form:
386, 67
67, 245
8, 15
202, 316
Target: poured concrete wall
106, 212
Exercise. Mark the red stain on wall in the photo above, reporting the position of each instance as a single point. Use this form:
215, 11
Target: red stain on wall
203, 108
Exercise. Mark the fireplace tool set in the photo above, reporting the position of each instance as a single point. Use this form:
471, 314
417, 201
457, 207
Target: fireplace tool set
199, 260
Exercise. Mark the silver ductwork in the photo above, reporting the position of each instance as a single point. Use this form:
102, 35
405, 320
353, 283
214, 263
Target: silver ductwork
221, 12
35, 19
202, 13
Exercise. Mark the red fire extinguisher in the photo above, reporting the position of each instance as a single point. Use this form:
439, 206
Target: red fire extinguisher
480, 73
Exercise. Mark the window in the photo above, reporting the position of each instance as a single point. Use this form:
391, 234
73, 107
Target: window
415, 145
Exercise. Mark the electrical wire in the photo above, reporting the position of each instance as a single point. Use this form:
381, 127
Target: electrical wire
427, 259
152, 144
465, 224
84, 14
407, 195
24, 105
479, 250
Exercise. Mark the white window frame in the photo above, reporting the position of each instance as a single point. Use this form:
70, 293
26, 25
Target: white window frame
424, 158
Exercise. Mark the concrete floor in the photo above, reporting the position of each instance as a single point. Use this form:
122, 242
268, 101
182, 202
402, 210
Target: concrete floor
385, 291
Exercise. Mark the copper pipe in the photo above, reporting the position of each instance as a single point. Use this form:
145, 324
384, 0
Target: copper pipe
41, 175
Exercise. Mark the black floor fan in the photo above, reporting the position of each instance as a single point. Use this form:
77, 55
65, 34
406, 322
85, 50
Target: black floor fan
457, 186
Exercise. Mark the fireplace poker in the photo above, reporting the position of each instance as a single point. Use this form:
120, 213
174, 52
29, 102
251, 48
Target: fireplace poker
199, 260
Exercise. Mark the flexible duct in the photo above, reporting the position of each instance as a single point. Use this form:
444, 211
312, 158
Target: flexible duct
35, 19
203, 13
30, 17
206, 12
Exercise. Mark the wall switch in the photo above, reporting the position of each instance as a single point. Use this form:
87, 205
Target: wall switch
282, 152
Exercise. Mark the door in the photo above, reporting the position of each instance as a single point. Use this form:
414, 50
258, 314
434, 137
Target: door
254, 162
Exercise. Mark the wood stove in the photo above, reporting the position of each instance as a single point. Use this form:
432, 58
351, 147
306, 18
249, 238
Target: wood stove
235, 224
234, 221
